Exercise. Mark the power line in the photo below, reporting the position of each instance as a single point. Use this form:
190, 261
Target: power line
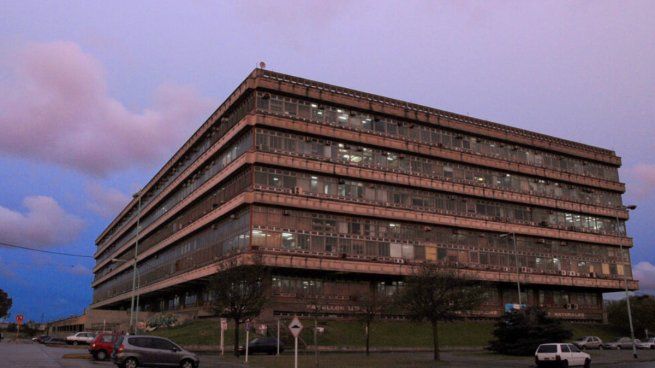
44, 251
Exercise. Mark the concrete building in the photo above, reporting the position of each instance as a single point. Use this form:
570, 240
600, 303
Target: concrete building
340, 191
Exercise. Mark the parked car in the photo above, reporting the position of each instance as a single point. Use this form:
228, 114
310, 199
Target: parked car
40, 339
620, 343
589, 342
152, 351
561, 355
264, 345
103, 345
80, 338
648, 344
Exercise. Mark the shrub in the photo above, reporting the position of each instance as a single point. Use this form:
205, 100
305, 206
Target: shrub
521, 332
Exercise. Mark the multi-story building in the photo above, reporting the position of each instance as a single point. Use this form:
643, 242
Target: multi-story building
339, 191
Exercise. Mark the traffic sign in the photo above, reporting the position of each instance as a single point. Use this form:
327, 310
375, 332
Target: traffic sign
295, 327
248, 326
223, 324
19, 319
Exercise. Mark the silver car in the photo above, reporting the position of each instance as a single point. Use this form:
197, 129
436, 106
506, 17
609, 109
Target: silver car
648, 344
621, 343
589, 342
151, 351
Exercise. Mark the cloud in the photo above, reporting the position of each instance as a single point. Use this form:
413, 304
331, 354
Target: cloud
44, 223
106, 202
645, 273
641, 180
77, 270
55, 107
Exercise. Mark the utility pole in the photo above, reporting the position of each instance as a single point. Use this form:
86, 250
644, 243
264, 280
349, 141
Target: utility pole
134, 309
625, 280
516, 260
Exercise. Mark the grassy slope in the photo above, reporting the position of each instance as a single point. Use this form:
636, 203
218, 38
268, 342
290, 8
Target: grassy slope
388, 333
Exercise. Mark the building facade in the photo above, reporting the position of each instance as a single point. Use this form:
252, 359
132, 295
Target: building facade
341, 191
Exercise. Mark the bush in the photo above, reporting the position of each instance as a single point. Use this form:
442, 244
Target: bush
161, 320
521, 332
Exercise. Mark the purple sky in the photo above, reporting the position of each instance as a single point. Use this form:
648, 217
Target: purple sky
94, 97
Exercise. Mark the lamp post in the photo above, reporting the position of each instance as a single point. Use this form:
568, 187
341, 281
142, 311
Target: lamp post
625, 280
134, 310
516, 260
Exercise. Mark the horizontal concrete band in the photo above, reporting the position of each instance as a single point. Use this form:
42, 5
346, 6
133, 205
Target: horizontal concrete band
364, 138
281, 259
255, 120
356, 209
255, 80
386, 106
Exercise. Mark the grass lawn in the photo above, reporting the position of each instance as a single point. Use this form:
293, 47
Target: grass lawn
384, 334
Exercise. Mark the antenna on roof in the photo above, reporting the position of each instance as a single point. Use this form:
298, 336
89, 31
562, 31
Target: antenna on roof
262, 65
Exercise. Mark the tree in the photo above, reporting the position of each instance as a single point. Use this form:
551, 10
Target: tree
435, 295
643, 314
239, 294
521, 332
371, 306
5, 304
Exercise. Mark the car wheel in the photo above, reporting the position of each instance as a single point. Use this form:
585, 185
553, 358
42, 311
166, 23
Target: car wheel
101, 355
587, 363
187, 363
131, 363
565, 364
75, 343
600, 347
619, 347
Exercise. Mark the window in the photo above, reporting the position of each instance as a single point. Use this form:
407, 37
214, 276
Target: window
550, 348
565, 349
161, 344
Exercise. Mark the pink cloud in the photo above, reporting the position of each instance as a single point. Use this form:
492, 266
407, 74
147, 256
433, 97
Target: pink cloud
645, 273
55, 107
106, 202
641, 180
44, 224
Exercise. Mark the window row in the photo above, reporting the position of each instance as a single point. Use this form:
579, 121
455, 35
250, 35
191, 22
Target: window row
431, 201
193, 182
204, 247
432, 135
229, 120
298, 228
202, 206
356, 155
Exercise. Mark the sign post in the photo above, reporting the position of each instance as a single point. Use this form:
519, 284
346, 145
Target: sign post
19, 322
223, 328
247, 339
295, 327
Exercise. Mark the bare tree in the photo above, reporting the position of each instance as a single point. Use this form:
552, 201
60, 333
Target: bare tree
239, 294
434, 294
371, 306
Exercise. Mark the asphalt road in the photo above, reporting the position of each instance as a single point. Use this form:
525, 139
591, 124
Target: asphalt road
32, 355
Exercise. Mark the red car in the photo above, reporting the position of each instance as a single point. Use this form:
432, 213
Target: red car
103, 345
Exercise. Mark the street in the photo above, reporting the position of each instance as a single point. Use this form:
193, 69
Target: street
32, 355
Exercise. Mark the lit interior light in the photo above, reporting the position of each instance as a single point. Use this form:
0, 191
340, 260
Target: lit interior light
287, 235
314, 105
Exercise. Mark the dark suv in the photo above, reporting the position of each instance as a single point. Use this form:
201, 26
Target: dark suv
151, 351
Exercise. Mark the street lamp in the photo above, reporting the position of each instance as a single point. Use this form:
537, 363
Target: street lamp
516, 260
134, 311
625, 280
